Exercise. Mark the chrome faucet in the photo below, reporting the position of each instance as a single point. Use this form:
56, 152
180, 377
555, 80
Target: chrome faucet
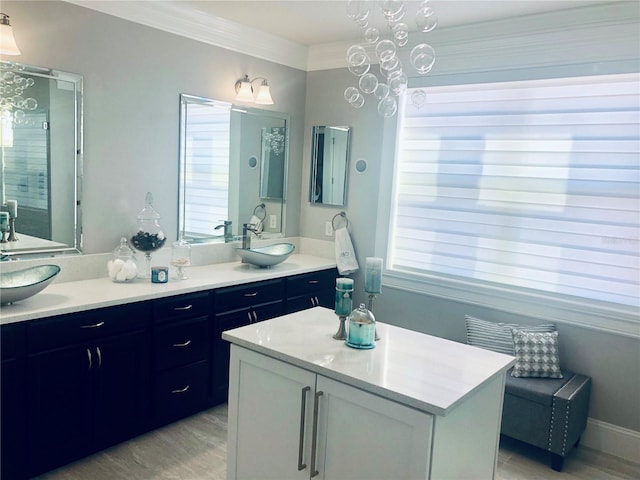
228, 233
246, 236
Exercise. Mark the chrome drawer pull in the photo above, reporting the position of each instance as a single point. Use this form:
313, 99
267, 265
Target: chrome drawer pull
95, 325
303, 410
90, 359
181, 309
180, 390
253, 294
314, 281
185, 344
99, 357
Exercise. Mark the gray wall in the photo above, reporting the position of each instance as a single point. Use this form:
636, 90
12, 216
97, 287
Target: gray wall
133, 76
613, 361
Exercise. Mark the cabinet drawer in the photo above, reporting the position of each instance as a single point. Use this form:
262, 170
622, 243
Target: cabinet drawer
311, 282
182, 343
243, 296
82, 327
182, 391
181, 306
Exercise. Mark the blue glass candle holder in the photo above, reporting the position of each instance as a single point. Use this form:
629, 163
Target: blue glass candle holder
343, 304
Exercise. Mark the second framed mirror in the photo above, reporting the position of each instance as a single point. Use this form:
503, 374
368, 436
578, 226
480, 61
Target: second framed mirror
329, 165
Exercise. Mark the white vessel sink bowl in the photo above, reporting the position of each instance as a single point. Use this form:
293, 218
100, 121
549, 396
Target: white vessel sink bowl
21, 284
266, 256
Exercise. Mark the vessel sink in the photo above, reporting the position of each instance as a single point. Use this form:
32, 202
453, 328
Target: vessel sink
266, 256
21, 284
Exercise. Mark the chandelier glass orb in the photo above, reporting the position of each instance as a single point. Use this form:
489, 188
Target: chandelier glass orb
392, 80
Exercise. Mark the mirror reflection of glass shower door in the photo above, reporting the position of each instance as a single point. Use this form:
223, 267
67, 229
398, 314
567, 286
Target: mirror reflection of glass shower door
333, 181
26, 175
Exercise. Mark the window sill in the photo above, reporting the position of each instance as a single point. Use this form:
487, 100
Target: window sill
619, 320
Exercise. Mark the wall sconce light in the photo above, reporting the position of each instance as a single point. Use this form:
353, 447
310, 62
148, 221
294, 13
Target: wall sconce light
245, 93
7, 42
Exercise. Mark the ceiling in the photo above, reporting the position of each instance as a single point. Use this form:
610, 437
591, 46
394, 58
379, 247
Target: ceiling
314, 22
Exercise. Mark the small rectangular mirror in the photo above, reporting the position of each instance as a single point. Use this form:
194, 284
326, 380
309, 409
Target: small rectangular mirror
329, 165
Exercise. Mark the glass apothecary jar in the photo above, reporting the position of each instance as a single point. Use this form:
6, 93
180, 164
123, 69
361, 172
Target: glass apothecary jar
362, 328
149, 236
181, 257
123, 267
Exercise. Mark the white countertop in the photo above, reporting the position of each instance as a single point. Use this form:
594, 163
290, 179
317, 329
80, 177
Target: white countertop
425, 372
60, 298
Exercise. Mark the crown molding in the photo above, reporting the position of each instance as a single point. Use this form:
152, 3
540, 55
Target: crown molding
177, 18
453, 43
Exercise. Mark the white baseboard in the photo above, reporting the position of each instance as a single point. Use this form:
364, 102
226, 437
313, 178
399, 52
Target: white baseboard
611, 439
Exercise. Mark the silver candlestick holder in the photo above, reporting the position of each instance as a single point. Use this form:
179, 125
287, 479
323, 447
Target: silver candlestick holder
372, 298
341, 334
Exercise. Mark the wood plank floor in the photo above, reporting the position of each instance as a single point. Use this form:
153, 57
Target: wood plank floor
196, 449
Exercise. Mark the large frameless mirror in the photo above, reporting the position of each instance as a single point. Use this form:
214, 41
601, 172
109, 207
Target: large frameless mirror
329, 165
40, 159
233, 170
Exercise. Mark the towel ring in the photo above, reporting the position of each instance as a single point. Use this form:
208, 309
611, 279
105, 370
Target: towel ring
264, 211
341, 214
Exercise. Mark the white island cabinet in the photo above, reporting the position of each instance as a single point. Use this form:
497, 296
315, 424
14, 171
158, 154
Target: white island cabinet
303, 405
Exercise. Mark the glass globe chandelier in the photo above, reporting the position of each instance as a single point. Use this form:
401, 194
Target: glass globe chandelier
392, 80
13, 101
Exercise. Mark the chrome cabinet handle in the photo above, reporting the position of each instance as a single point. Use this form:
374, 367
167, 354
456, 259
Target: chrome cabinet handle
303, 410
90, 359
95, 325
249, 316
313, 282
314, 438
180, 309
317, 301
252, 294
184, 344
99, 357
255, 316
180, 390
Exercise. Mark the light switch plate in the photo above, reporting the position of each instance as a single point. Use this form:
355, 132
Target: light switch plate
328, 229
272, 221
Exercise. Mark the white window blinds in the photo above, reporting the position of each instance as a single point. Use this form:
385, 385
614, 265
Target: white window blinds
528, 184
206, 167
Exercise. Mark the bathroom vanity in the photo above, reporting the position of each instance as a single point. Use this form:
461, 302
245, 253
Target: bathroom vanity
88, 364
303, 405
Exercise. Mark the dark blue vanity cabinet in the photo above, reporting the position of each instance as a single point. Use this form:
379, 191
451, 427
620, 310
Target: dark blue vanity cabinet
235, 307
182, 368
77, 383
12, 401
308, 290
87, 383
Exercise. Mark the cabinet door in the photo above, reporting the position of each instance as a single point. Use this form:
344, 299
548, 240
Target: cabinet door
270, 418
12, 402
59, 406
122, 390
228, 321
361, 435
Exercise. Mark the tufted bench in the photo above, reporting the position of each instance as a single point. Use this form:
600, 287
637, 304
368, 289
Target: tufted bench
548, 413
539, 408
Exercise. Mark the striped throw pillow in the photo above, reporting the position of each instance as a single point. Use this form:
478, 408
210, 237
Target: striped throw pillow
498, 337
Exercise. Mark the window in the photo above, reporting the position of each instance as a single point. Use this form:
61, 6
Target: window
527, 186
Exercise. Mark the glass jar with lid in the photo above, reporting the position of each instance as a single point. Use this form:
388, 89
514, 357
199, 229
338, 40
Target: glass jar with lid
149, 236
362, 328
123, 266
181, 257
